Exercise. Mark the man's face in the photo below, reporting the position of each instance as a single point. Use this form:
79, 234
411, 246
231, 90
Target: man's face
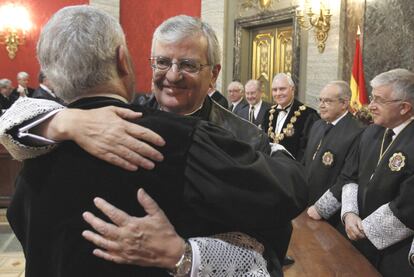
183, 92
282, 92
253, 93
234, 92
331, 107
385, 108
23, 82
6, 91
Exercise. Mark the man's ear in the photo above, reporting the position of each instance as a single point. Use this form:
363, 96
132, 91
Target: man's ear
407, 108
215, 72
122, 61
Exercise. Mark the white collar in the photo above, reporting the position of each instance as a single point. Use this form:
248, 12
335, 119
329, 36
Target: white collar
401, 127
237, 102
257, 105
339, 118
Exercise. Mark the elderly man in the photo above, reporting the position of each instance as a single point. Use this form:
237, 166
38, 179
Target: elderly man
257, 108
22, 88
45, 91
377, 198
6, 99
289, 121
331, 140
179, 77
235, 91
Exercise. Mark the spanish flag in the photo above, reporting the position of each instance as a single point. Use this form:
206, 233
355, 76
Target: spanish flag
357, 84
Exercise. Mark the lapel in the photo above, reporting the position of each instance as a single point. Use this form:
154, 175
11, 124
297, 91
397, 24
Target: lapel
293, 108
240, 106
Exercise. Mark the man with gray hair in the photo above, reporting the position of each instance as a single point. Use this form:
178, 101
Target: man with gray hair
235, 92
377, 198
22, 88
257, 108
289, 121
6, 98
331, 140
188, 213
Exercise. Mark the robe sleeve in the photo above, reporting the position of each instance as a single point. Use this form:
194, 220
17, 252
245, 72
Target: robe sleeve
26, 112
394, 221
229, 182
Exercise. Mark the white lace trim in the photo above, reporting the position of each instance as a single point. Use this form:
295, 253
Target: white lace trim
24, 109
327, 205
219, 258
349, 199
384, 229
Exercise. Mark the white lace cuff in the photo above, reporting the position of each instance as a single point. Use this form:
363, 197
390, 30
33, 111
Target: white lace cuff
215, 257
22, 110
276, 147
327, 205
384, 229
349, 199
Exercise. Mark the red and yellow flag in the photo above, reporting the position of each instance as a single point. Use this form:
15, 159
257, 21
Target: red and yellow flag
357, 84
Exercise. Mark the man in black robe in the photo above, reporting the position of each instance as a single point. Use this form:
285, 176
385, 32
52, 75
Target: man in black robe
289, 121
330, 140
5, 92
125, 70
377, 198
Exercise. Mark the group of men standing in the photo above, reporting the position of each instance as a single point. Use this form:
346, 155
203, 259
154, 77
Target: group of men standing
368, 174
359, 177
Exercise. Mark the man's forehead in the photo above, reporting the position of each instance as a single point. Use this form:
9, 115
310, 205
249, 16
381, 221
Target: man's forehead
187, 47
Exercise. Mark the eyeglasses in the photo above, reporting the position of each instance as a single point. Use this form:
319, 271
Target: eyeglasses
186, 65
328, 101
381, 101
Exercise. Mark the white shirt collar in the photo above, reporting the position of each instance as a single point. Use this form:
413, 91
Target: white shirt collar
237, 102
401, 127
339, 118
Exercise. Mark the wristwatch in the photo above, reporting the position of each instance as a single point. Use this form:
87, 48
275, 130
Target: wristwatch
183, 267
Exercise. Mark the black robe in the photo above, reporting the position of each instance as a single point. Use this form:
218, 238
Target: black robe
220, 99
208, 183
325, 156
296, 143
379, 184
322, 173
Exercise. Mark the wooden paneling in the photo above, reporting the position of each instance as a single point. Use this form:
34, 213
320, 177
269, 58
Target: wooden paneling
9, 169
320, 250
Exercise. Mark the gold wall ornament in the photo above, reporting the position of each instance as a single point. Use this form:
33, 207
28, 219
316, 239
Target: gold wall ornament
14, 25
319, 21
263, 5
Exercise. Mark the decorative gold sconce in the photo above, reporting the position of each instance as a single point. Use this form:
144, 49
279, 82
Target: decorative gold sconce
14, 25
319, 20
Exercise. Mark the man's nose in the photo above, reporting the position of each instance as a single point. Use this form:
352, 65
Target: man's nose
173, 74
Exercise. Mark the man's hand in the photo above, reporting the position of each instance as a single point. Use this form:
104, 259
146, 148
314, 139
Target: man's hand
313, 213
106, 134
146, 241
353, 226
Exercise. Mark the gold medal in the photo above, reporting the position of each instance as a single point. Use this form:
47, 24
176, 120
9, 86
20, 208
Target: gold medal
328, 158
397, 161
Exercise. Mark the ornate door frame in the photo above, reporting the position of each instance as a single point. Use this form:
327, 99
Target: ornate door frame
244, 25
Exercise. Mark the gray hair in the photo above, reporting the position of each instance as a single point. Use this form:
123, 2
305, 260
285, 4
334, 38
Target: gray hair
4, 83
284, 76
22, 75
178, 28
401, 80
257, 84
345, 92
238, 85
77, 50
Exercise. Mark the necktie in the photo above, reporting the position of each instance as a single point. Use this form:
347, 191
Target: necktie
231, 107
251, 114
389, 133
